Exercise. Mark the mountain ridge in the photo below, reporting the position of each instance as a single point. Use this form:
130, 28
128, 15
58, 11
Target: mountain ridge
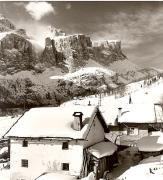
26, 67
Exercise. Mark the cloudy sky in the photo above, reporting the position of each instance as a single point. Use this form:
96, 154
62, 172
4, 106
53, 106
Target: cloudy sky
139, 25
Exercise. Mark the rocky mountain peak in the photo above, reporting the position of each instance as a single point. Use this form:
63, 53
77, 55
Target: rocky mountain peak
54, 32
107, 52
6, 24
113, 44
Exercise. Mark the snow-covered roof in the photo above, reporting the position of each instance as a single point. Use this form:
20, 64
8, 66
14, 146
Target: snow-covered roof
6, 122
5, 174
150, 144
103, 149
56, 176
109, 112
52, 122
139, 113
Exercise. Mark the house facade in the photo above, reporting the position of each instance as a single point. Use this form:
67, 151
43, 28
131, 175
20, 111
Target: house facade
135, 121
54, 140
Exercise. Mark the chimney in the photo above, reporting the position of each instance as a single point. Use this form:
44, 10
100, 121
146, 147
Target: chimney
77, 123
119, 112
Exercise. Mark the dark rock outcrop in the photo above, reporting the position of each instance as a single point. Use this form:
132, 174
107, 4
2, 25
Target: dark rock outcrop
16, 54
106, 52
6, 24
73, 50
51, 57
76, 50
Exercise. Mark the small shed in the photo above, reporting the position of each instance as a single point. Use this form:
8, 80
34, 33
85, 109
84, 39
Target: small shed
103, 157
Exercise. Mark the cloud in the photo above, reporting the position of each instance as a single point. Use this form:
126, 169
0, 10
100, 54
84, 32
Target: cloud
132, 29
39, 9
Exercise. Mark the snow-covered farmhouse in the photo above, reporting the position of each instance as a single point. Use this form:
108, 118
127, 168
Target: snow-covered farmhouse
68, 140
135, 121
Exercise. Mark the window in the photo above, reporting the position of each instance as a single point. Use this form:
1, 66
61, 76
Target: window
24, 163
132, 131
65, 145
65, 166
25, 143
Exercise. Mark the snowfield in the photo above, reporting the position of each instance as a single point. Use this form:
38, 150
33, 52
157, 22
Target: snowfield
141, 96
88, 70
57, 176
147, 171
5, 174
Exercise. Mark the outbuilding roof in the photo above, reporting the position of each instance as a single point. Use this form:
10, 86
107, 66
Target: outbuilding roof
103, 149
141, 113
150, 144
53, 122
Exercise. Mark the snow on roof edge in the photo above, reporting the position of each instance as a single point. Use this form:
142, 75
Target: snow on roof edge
80, 135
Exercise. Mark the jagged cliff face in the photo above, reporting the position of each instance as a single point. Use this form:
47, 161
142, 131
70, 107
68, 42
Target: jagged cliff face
68, 52
73, 50
51, 57
106, 52
76, 50
5, 24
16, 54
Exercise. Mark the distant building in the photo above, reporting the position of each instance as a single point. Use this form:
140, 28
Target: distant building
135, 121
62, 140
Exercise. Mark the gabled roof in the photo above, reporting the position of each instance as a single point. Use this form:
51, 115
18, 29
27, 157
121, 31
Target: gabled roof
141, 113
53, 122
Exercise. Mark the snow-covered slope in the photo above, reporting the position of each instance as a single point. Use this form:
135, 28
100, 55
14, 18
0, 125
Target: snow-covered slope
57, 176
109, 104
123, 66
89, 70
5, 174
143, 171
98, 77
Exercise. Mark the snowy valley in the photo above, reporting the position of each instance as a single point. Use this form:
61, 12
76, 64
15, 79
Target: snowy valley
73, 108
